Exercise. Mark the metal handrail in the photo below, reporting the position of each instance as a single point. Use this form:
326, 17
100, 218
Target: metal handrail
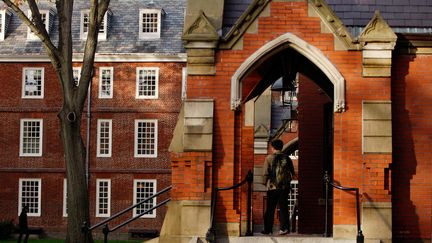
211, 235
106, 230
360, 237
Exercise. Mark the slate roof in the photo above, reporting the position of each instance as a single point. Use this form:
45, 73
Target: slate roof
397, 13
401, 15
122, 35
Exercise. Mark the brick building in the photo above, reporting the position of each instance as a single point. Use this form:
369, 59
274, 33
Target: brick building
128, 121
363, 94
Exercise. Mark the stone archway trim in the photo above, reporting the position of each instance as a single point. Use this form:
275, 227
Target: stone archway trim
310, 52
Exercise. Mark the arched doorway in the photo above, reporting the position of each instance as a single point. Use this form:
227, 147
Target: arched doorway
312, 89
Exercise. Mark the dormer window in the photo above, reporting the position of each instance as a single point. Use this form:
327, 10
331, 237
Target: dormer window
85, 25
150, 24
47, 17
4, 21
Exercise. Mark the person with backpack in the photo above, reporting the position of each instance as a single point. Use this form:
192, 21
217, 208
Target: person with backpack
278, 171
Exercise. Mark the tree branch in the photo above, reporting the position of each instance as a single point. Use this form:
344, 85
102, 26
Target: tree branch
36, 26
97, 13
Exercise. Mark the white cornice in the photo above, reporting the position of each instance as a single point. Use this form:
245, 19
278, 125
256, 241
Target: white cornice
111, 57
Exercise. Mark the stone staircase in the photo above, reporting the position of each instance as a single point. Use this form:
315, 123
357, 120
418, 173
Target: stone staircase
293, 238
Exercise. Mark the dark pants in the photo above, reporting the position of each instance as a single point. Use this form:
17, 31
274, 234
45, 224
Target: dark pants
277, 197
23, 232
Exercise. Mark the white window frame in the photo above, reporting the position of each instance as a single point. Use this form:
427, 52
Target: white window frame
111, 89
184, 83
137, 85
76, 72
99, 123
21, 152
135, 198
149, 35
30, 35
154, 155
39, 199
65, 214
104, 26
98, 214
4, 14
23, 91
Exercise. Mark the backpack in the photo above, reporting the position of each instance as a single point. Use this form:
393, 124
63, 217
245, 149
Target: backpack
280, 174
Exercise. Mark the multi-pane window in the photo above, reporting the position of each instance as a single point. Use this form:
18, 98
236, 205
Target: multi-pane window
104, 138
143, 189
33, 83
30, 195
2, 25
292, 198
85, 25
103, 196
106, 82
147, 80
45, 15
149, 23
146, 138
31, 137
65, 209
76, 72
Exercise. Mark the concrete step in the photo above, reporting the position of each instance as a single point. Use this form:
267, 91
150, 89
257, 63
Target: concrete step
282, 239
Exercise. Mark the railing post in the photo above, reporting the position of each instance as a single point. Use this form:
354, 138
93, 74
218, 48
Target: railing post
249, 203
360, 237
326, 180
105, 231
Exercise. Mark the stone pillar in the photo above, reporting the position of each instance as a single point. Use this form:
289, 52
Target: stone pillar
378, 41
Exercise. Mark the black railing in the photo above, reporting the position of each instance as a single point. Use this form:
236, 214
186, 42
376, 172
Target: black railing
360, 237
211, 233
106, 230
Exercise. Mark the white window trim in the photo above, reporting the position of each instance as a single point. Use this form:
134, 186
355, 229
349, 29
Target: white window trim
97, 198
79, 73
136, 155
42, 83
184, 84
30, 35
153, 213
156, 96
39, 198
101, 95
21, 153
99, 121
65, 214
3, 24
101, 36
155, 35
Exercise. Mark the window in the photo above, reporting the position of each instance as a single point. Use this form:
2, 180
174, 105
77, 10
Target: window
33, 83
184, 84
106, 82
147, 83
4, 21
76, 75
146, 138
103, 197
144, 189
65, 212
292, 198
31, 137
47, 19
30, 195
104, 138
85, 25
149, 23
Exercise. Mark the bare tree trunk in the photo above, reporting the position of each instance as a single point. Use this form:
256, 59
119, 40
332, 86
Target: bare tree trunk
74, 152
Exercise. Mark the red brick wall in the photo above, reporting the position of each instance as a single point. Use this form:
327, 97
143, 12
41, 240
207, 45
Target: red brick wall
412, 143
122, 168
350, 165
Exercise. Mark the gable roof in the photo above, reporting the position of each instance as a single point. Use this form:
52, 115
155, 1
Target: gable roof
122, 34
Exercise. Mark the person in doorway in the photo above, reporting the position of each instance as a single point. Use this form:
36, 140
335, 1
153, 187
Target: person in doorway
278, 171
23, 224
